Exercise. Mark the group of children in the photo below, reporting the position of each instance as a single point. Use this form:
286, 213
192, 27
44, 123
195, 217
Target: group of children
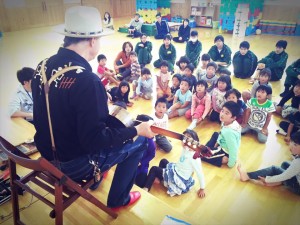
198, 92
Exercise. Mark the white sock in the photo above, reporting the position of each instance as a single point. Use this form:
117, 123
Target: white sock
281, 131
193, 124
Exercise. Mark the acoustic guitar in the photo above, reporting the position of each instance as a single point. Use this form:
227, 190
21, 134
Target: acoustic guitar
119, 117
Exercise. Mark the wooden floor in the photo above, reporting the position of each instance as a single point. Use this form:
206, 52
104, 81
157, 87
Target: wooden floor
228, 200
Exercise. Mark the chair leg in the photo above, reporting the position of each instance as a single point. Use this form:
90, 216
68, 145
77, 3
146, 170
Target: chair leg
14, 192
58, 204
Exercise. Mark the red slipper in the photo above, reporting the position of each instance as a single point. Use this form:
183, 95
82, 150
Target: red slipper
134, 196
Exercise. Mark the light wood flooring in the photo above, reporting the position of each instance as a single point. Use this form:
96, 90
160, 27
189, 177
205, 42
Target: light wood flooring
228, 200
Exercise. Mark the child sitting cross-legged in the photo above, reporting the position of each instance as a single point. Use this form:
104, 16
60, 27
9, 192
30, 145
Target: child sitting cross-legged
176, 79
104, 73
177, 177
182, 100
143, 87
258, 113
288, 174
120, 94
218, 97
201, 104
226, 143
234, 95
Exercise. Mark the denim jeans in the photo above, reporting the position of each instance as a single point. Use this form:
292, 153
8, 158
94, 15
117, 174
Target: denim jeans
262, 138
127, 158
291, 183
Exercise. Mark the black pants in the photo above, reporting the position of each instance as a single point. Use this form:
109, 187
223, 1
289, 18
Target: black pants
211, 143
214, 116
125, 72
156, 172
284, 126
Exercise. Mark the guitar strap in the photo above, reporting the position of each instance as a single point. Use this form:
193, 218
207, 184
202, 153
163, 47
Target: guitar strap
47, 84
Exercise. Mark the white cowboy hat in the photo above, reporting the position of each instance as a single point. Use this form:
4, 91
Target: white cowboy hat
82, 22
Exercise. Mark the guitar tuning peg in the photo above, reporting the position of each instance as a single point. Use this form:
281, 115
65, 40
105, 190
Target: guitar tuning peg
184, 140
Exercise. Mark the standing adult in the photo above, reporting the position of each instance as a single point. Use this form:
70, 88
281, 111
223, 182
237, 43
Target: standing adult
183, 32
162, 27
79, 112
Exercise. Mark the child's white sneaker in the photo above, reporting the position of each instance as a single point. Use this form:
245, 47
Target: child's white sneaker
192, 125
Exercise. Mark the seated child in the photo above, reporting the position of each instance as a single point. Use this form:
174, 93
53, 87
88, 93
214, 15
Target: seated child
218, 97
182, 63
135, 68
104, 73
288, 174
161, 120
163, 78
120, 94
135, 26
276, 61
294, 94
177, 177
143, 87
201, 105
188, 74
167, 52
108, 21
176, 79
201, 70
258, 113
234, 95
182, 100
210, 77
193, 48
263, 79
292, 76
149, 154
143, 49
21, 104
244, 61
288, 128
229, 138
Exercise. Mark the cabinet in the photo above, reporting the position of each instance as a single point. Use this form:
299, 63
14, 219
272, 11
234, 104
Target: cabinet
24, 14
203, 12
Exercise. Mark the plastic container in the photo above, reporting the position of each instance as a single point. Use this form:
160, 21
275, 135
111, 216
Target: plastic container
215, 24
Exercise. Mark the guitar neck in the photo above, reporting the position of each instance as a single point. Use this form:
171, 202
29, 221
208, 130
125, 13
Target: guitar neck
167, 133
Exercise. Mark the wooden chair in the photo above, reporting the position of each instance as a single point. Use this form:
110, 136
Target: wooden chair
48, 177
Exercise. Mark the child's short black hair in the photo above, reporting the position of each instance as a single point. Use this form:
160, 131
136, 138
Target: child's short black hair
213, 64
168, 36
266, 72
265, 88
194, 33
192, 133
219, 37
202, 82
245, 44
233, 91
186, 80
281, 44
25, 74
145, 71
132, 53
183, 59
227, 80
161, 100
101, 56
233, 107
295, 137
225, 71
143, 34
297, 83
190, 67
205, 57
164, 63
178, 76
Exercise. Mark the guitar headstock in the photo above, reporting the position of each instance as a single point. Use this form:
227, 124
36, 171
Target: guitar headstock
200, 150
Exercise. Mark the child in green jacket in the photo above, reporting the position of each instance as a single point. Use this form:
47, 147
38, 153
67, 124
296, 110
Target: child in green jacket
193, 49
